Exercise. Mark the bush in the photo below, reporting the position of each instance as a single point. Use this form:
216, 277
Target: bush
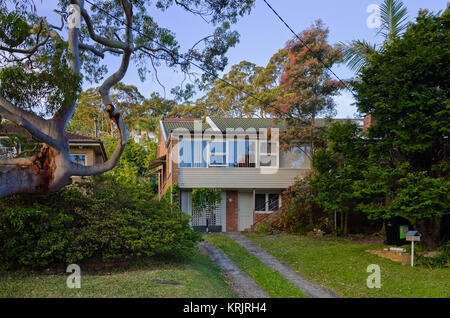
301, 212
100, 220
437, 262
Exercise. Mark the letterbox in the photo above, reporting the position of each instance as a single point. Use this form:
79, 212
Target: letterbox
413, 236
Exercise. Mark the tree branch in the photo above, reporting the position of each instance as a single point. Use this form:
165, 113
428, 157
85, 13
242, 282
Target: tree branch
97, 38
35, 128
98, 52
114, 114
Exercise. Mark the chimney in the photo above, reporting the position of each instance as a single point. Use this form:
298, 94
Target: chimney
368, 121
95, 121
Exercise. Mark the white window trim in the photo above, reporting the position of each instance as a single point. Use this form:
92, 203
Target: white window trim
208, 151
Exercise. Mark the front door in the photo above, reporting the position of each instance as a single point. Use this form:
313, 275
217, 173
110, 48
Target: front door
245, 213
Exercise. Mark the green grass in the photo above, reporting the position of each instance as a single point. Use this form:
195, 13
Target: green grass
341, 266
268, 279
199, 276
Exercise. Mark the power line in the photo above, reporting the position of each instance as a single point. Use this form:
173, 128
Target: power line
306, 45
193, 63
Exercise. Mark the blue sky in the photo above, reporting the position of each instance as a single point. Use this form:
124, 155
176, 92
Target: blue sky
262, 34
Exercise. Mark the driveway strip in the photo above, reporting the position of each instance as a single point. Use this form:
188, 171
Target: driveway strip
243, 285
309, 288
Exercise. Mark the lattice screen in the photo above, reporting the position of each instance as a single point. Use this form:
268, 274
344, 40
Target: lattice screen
200, 217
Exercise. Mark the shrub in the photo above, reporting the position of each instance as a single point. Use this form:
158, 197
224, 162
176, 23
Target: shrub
437, 262
301, 210
102, 220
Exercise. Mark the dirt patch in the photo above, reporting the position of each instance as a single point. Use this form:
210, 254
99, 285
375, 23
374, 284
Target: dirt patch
166, 282
400, 257
365, 239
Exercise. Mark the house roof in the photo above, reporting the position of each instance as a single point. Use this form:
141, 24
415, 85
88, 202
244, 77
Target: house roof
73, 138
170, 124
246, 123
13, 129
77, 137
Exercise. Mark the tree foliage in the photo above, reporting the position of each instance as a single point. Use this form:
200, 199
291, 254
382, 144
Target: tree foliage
393, 22
405, 89
43, 67
254, 88
339, 167
139, 113
205, 200
105, 220
306, 87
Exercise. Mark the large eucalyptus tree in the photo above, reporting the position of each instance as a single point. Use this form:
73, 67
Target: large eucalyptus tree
43, 66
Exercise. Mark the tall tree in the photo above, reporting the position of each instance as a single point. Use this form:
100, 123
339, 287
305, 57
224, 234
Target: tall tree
306, 87
339, 168
405, 88
255, 87
393, 22
43, 66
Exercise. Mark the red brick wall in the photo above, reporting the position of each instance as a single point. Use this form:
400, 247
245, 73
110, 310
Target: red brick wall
368, 121
175, 161
232, 211
260, 216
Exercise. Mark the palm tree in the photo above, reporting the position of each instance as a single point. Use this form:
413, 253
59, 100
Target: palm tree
393, 15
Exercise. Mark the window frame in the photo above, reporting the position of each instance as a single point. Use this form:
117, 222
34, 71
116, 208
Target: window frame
79, 154
274, 156
225, 154
266, 201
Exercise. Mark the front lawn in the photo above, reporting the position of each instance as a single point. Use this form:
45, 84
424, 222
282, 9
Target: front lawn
269, 280
197, 275
341, 266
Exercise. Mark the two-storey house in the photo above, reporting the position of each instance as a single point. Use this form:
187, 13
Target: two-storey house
241, 158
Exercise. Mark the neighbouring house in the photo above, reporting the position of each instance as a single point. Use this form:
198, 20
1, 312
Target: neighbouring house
83, 149
140, 136
240, 157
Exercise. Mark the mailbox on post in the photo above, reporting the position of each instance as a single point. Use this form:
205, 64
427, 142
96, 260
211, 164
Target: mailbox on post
413, 236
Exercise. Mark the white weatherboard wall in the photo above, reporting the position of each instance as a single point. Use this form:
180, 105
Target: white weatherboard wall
237, 178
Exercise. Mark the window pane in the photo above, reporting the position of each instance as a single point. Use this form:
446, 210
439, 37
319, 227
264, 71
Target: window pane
217, 147
268, 154
232, 154
246, 153
199, 154
260, 202
217, 154
274, 202
217, 160
185, 153
295, 158
80, 159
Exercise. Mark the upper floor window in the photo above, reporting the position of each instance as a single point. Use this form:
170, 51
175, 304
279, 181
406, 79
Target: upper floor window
192, 153
268, 154
296, 158
78, 158
242, 153
217, 154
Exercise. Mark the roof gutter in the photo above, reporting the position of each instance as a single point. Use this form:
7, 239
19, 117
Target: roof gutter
163, 131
